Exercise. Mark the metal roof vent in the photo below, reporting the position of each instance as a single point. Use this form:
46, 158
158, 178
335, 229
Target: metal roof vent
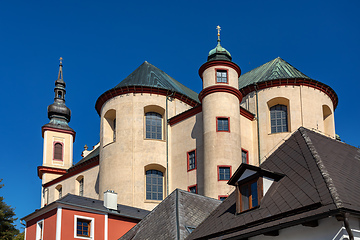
110, 200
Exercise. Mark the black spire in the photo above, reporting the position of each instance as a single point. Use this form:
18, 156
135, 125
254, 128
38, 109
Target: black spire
58, 113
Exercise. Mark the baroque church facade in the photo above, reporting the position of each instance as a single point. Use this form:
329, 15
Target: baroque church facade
157, 135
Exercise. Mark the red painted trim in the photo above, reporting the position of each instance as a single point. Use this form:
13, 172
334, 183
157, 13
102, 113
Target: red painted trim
41, 170
228, 118
247, 155
188, 162
293, 82
219, 63
247, 114
62, 151
220, 196
75, 170
220, 88
140, 89
221, 70
184, 115
219, 166
73, 133
196, 191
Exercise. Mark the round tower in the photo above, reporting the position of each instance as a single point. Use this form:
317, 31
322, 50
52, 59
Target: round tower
58, 139
220, 100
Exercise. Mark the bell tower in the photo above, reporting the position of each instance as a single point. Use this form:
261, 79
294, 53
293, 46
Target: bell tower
220, 100
58, 137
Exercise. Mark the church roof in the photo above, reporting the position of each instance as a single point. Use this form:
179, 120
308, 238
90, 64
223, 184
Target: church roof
147, 75
321, 180
174, 218
275, 69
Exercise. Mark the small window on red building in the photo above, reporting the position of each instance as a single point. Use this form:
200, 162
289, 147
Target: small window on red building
83, 228
58, 151
222, 124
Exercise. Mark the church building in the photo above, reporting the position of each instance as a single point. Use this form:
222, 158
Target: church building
157, 135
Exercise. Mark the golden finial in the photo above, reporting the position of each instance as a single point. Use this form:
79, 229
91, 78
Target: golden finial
61, 60
60, 76
219, 29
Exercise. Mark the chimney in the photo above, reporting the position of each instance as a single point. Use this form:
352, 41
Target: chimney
110, 200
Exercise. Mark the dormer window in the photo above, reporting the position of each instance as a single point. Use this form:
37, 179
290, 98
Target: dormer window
250, 193
251, 184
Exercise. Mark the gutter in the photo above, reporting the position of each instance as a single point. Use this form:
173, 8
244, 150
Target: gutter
257, 120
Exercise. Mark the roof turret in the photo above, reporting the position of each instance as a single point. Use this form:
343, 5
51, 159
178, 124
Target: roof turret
219, 53
58, 113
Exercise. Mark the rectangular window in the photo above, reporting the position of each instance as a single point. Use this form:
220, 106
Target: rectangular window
83, 227
224, 173
153, 125
191, 157
154, 185
81, 187
221, 76
40, 230
250, 194
222, 197
244, 156
222, 124
192, 189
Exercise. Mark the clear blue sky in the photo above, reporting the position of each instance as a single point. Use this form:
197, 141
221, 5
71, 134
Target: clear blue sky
103, 42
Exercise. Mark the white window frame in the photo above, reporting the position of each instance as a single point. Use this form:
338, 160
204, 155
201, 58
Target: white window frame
92, 227
38, 230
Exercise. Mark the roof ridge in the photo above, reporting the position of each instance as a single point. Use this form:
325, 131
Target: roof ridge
324, 172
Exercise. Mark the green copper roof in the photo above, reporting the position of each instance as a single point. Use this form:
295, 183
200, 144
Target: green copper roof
147, 75
219, 53
275, 69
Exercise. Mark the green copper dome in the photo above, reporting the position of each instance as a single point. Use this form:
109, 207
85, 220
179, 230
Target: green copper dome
219, 53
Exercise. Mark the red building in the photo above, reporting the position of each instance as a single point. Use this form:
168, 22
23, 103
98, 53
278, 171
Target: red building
75, 217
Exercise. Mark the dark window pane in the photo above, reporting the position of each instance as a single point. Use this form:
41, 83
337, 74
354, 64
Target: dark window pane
244, 191
278, 117
154, 185
153, 125
223, 124
224, 173
254, 194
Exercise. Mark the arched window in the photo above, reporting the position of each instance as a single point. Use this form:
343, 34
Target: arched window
109, 127
58, 151
80, 185
59, 191
278, 117
153, 125
328, 120
154, 185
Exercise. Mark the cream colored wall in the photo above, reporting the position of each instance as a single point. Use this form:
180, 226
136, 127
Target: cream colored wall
67, 140
249, 139
122, 163
305, 109
70, 185
186, 136
209, 77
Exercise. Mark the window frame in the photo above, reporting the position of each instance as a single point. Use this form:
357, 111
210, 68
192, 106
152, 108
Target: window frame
193, 186
222, 196
146, 186
91, 228
217, 123
188, 160
247, 182
275, 119
221, 70
40, 230
161, 129
218, 172
62, 151
247, 155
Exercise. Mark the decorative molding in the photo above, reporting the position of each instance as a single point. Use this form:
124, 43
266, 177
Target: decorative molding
293, 82
41, 170
220, 88
46, 128
141, 89
219, 63
247, 114
184, 115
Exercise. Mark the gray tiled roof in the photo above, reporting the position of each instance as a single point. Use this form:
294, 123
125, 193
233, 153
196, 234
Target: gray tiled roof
147, 75
170, 218
321, 178
275, 69
91, 155
94, 204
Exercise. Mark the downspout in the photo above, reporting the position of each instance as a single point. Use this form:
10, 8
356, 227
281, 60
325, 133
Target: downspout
344, 217
257, 120
167, 144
